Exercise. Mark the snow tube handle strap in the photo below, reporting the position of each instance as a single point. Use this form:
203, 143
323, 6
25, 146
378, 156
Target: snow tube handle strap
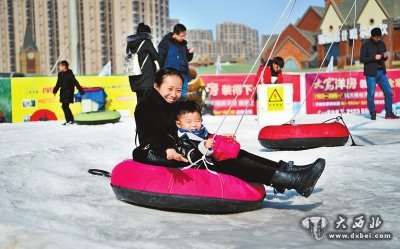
99, 172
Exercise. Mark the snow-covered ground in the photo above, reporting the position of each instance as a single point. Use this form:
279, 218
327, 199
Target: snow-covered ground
48, 200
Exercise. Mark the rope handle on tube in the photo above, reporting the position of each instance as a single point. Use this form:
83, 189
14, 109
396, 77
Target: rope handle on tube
99, 172
338, 119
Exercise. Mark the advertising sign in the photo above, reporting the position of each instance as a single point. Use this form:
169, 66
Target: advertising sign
335, 91
32, 95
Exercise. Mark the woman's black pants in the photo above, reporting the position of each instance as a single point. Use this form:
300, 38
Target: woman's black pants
248, 167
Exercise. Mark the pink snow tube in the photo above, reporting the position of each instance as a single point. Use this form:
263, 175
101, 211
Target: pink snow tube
190, 190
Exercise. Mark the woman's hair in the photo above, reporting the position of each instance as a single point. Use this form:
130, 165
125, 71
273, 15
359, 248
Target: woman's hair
279, 61
179, 28
187, 106
160, 75
143, 28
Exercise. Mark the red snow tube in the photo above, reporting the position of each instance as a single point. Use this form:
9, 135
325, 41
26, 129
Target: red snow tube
190, 190
303, 136
43, 115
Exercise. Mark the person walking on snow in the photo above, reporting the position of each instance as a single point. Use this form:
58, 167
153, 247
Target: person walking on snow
67, 82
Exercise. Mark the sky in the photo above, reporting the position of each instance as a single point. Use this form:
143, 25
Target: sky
258, 14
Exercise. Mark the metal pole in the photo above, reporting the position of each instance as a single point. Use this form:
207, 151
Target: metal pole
73, 15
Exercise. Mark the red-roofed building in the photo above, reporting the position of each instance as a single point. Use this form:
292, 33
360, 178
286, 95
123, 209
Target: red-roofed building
317, 35
296, 44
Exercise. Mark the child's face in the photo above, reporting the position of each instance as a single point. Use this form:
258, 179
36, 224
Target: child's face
189, 121
62, 68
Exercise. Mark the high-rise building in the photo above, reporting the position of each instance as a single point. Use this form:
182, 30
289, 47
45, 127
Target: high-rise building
234, 41
202, 41
238, 41
102, 27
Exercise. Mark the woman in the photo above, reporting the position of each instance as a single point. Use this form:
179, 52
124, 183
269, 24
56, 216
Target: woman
271, 71
158, 135
148, 59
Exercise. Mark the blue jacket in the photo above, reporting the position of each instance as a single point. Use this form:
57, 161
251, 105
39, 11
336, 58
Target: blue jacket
174, 54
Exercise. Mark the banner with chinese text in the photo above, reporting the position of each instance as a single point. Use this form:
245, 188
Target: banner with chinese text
335, 91
223, 89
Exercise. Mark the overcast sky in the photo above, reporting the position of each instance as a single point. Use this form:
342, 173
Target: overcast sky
258, 14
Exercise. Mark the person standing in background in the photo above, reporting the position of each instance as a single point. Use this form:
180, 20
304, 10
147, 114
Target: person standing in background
67, 82
174, 53
272, 71
373, 54
269, 72
148, 59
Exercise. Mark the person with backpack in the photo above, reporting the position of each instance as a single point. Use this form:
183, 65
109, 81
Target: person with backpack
148, 60
174, 53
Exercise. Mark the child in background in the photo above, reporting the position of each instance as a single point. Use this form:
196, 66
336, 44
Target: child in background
67, 82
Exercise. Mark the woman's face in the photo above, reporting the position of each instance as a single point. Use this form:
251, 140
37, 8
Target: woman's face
276, 67
170, 89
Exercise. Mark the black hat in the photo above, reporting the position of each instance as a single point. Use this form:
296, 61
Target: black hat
376, 32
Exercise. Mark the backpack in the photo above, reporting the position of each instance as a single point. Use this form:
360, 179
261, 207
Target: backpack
131, 62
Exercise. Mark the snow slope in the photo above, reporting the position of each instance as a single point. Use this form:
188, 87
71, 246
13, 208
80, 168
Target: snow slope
48, 200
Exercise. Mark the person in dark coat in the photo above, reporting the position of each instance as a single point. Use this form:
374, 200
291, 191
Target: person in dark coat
155, 119
373, 54
67, 82
174, 53
147, 55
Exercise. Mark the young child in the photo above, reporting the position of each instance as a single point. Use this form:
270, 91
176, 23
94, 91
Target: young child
67, 82
194, 139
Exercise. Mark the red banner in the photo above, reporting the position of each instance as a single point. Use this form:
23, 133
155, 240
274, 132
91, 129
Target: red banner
335, 91
223, 89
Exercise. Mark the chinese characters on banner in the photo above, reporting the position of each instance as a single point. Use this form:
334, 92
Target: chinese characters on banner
353, 33
223, 89
332, 92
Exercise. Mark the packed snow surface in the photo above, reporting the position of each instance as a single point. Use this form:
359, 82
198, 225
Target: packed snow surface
48, 200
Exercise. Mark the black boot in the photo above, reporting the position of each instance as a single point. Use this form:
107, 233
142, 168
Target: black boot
289, 166
303, 181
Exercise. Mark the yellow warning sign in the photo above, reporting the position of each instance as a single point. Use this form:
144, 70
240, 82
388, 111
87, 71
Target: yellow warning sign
275, 99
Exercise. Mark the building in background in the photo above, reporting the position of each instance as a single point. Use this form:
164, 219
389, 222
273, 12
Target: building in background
234, 42
102, 28
296, 45
316, 35
171, 23
29, 56
204, 45
370, 13
237, 40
